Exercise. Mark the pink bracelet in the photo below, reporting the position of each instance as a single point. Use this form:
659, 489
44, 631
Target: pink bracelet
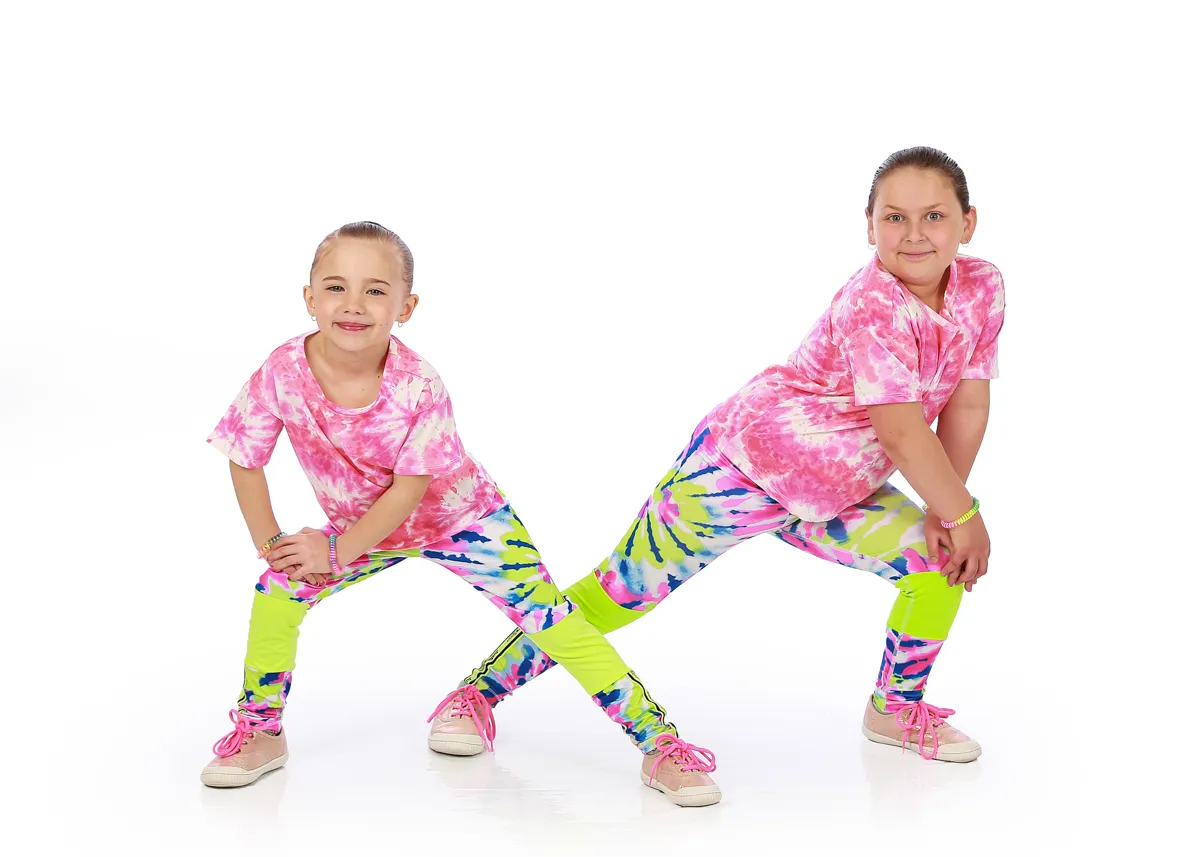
333, 563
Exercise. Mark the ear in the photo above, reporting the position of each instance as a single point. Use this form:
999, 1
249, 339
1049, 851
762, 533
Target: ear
410, 306
970, 220
870, 229
310, 303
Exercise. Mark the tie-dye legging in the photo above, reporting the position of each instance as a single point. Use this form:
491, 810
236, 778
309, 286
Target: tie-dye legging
497, 557
705, 506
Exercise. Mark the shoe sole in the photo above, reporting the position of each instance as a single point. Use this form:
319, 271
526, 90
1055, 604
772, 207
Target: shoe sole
688, 795
952, 753
227, 778
458, 745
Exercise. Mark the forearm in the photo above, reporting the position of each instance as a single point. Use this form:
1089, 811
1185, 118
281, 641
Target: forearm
381, 520
961, 435
930, 471
254, 499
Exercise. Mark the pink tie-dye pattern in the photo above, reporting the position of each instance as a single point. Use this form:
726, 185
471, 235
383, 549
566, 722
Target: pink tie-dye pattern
352, 455
800, 429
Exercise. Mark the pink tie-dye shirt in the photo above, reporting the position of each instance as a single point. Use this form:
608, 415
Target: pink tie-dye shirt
351, 455
800, 429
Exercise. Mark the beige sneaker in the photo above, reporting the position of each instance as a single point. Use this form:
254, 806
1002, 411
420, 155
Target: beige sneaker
681, 772
934, 738
246, 753
462, 724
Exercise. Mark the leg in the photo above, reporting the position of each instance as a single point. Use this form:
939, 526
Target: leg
257, 743
497, 557
701, 508
885, 535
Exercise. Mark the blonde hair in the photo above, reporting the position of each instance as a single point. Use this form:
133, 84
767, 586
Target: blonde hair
373, 231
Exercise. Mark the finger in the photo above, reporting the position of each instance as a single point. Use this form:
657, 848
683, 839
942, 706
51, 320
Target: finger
295, 572
281, 553
970, 569
952, 565
983, 568
967, 586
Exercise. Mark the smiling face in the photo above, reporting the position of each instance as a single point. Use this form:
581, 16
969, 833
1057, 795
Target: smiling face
917, 225
357, 289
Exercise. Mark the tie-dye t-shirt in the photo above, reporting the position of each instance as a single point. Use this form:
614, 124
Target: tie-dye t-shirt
351, 455
800, 429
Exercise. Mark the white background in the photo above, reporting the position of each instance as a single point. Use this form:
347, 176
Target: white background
620, 212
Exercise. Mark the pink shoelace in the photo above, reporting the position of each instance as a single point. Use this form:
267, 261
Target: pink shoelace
243, 724
469, 702
924, 719
693, 758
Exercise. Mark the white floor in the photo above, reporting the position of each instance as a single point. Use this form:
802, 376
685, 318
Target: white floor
794, 769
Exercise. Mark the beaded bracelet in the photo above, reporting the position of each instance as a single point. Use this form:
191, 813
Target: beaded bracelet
961, 519
269, 543
333, 563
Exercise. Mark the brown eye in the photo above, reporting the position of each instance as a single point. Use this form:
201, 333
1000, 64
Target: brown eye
934, 216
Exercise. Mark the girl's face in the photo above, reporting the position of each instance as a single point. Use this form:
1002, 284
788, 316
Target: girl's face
917, 225
357, 291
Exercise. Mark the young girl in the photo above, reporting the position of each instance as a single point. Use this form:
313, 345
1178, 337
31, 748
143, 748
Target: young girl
373, 428
805, 449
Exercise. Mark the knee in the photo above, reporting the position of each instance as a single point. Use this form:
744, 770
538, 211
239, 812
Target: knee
597, 603
276, 584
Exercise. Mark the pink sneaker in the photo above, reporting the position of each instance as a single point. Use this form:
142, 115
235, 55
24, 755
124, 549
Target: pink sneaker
462, 724
934, 738
681, 772
246, 753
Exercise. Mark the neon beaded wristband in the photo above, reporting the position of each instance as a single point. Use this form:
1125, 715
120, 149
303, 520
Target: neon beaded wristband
961, 519
267, 545
333, 563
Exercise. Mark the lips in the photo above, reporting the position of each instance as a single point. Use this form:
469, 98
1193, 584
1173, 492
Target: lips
917, 257
351, 327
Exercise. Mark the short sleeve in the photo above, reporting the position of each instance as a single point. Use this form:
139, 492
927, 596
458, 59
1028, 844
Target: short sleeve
984, 363
883, 364
432, 447
248, 431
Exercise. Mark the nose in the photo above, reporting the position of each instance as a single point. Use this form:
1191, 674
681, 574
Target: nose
353, 302
914, 233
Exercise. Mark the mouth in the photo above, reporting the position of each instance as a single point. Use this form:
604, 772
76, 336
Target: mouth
350, 327
917, 257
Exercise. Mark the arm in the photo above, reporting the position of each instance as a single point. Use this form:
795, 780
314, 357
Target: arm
919, 455
962, 423
254, 498
381, 520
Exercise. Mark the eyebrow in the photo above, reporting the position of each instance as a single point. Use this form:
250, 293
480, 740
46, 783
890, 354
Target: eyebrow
369, 280
926, 208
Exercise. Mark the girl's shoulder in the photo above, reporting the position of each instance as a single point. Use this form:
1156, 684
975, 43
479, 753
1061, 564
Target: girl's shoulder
871, 297
984, 284
410, 363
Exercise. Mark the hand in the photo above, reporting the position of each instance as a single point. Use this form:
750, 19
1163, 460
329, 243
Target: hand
969, 558
938, 545
303, 556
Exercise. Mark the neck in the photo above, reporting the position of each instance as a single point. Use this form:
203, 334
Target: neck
930, 294
369, 361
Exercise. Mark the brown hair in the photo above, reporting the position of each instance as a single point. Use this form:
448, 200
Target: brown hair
370, 230
923, 158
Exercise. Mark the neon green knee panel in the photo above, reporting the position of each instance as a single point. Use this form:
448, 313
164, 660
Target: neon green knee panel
274, 633
605, 614
925, 607
582, 651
